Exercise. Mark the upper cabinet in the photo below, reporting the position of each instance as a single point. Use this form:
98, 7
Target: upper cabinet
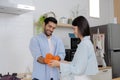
6, 6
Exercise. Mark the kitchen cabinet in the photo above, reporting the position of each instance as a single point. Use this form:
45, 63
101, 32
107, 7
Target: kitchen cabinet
116, 10
103, 74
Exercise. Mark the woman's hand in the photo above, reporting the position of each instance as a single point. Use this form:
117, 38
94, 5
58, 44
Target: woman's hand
54, 63
63, 61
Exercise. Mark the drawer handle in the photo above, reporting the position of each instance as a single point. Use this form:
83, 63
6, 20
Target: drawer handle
105, 70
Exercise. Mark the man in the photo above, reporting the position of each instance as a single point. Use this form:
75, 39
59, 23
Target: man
43, 44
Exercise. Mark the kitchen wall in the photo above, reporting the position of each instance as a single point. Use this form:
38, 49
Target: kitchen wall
15, 34
63, 8
16, 30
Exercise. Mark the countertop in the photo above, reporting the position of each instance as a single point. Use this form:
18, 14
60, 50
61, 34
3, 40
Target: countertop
116, 78
102, 68
27, 76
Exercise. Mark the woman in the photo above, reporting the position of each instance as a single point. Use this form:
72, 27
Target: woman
84, 62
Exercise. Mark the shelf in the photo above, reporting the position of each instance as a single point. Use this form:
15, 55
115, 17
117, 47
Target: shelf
64, 25
60, 25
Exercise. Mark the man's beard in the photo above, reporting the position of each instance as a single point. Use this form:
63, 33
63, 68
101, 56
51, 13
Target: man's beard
47, 34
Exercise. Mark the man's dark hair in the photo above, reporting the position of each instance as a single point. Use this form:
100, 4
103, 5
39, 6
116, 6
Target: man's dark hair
50, 19
82, 24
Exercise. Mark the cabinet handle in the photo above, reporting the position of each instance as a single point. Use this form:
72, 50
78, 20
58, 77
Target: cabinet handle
105, 70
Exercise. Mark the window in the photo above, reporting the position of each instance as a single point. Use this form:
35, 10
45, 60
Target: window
94, 8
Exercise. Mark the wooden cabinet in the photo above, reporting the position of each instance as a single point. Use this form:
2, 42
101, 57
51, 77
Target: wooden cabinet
104, 74
117, 10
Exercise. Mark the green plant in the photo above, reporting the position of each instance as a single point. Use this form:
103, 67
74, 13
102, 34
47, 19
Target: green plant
39, 24
41, 20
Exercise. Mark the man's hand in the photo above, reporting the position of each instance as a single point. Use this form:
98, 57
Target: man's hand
41, 60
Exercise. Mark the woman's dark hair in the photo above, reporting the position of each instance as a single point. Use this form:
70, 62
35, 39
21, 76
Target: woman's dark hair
83, 25
50, 19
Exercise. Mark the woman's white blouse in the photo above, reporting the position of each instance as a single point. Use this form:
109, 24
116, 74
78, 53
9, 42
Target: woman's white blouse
83, 63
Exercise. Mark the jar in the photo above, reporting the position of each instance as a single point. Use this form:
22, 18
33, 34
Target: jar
63, 20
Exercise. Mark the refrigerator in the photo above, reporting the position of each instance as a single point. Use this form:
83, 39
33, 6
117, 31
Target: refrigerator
111, 45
